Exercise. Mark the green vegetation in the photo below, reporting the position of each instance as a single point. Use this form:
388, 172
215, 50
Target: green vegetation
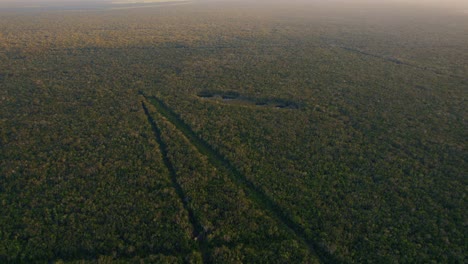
230, 133
234, 229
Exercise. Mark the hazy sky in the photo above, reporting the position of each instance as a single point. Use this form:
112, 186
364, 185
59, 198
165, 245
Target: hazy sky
439, 3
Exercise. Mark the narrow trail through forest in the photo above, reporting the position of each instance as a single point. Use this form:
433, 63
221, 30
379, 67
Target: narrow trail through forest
399, 62
197, 227
254, 193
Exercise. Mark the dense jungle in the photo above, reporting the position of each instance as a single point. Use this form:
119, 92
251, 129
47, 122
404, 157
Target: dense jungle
233, 132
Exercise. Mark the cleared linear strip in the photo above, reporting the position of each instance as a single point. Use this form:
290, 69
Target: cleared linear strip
399, 62
252, 191
197, 227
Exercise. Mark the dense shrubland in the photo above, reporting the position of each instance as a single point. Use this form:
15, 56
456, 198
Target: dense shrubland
371, 164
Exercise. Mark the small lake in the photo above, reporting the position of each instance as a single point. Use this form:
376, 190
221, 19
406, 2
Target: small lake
233, 97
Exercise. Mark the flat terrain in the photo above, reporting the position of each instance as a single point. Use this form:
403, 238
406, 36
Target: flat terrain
233, 133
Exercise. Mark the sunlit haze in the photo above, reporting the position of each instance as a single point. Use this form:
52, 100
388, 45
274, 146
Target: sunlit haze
437, 3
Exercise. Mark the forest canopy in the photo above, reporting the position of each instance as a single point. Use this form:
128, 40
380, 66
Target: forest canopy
233, 132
